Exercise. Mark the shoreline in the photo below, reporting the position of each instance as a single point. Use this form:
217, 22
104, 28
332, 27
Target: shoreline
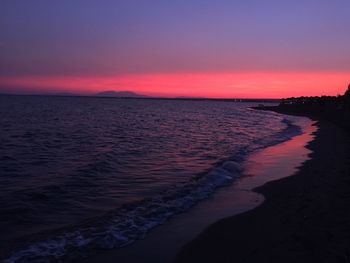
164, 242
304, 217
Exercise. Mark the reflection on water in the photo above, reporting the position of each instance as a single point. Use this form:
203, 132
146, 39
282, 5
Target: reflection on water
278, 161
99, 172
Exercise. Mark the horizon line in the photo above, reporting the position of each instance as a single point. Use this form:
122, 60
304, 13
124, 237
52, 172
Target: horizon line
141, 97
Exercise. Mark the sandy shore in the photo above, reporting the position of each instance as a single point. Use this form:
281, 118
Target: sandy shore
305, 218
163, 243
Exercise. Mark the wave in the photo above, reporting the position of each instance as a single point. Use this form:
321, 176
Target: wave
132, 222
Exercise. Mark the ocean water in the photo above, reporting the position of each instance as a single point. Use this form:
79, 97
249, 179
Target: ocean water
80, 174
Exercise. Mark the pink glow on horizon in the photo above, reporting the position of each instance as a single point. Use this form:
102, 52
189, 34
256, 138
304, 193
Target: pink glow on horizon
212, 85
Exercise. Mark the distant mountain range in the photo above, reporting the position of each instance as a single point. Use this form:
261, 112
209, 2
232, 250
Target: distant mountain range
119, 94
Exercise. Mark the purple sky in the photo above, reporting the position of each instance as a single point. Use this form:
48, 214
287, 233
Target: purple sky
62, 38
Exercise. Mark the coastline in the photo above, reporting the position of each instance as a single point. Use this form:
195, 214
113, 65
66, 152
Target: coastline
163, 243
304, 218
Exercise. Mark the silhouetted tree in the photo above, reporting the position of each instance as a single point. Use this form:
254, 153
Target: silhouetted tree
332, 108
347, 98
347, 93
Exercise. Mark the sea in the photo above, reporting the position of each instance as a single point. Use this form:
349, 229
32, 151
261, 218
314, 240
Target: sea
84, 174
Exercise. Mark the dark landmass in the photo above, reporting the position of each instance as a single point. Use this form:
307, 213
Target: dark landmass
133, 95
217, 99
119, 94
65, 94
59, 94
335, 109
306, 217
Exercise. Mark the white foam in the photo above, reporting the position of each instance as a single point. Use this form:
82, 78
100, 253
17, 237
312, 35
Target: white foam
130, 224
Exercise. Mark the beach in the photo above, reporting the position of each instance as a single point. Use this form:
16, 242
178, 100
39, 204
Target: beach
164, 242
118, 194
174, 131
283, 198
304, 218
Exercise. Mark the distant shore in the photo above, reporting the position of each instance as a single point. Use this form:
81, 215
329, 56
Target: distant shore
305, 217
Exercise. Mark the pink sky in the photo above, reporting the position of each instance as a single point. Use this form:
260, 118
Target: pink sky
213, 85
223, 49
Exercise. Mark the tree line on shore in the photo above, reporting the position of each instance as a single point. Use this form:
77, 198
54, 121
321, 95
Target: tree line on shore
333, 108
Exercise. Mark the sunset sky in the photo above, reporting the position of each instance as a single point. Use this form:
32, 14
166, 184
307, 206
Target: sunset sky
197, 48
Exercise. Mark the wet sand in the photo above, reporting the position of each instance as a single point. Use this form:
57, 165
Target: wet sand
305, 217
164, 242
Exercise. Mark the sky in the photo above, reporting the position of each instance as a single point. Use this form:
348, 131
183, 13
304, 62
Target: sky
196, 48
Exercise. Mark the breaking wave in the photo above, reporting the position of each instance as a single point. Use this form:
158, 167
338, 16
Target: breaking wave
133, 221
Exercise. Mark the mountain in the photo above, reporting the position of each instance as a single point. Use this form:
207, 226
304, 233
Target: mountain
119, 94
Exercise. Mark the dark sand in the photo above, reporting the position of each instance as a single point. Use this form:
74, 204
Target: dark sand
305, 218
163, 243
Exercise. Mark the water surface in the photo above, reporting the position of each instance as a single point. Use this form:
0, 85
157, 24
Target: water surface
82, 173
